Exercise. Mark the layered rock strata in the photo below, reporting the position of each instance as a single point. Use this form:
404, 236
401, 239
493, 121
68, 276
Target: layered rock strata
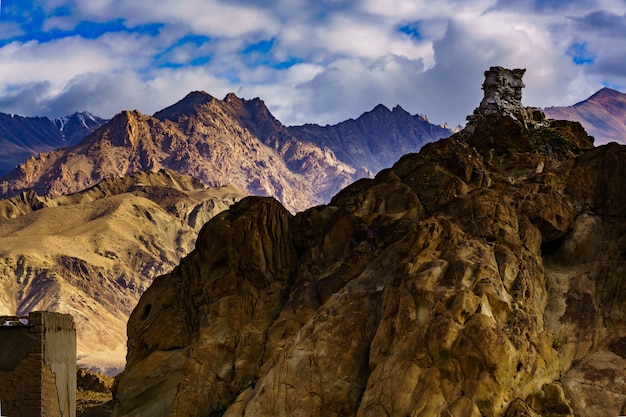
460, 282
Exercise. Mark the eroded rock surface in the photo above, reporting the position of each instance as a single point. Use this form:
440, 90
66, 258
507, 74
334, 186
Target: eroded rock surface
503, 97
463, 281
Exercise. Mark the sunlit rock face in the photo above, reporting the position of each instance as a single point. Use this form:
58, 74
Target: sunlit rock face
463, 281
229, 142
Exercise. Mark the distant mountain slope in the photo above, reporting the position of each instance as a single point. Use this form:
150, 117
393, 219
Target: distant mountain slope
75, 127
231, 141
603, 115
93, 253
197, 136
376, 139
23, 137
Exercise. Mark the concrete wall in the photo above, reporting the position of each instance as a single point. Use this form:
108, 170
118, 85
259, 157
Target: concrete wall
38, 365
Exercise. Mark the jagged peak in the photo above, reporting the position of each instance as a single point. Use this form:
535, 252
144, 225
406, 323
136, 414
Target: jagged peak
380, 108
603, 95
127, 115
188, 105
232, 97
238, 102
84, 118
399, 110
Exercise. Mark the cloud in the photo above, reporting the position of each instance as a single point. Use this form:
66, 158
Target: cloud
56, 62
442, 81
602, 23
108, 94
208, 17
322, 61
351, 86
600, 36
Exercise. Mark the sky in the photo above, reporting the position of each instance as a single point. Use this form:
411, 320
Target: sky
311, 61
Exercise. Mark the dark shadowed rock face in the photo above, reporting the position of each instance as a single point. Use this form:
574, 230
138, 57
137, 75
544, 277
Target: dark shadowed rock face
482, 276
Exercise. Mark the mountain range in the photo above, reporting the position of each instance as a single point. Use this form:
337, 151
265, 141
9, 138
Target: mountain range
368, 144
603, 115
229, 142
24, 137
376, 139
85, 228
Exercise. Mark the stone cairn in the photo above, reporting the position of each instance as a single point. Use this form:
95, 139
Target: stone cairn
503, 97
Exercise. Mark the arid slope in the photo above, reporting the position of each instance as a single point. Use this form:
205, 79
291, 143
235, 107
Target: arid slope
92, 254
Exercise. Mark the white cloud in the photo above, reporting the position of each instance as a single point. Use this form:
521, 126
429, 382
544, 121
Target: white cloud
211, 17
344, 89
346, 56
426, 9
107, 94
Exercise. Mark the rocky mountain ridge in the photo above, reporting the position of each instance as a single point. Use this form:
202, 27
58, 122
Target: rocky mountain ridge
24, 137
375, 140
230, 141
603, 115
85, 232
481, 276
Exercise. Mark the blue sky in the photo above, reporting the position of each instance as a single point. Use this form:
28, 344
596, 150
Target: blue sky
310, 61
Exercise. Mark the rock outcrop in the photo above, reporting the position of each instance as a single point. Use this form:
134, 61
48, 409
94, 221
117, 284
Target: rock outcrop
503, 97
463, 281
93, 394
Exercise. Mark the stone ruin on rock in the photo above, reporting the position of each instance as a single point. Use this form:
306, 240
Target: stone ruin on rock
503, 97
38, 365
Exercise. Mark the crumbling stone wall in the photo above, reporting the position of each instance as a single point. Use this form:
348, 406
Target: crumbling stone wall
38, 365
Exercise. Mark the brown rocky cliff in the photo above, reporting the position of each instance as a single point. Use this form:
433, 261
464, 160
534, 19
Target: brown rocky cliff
315, 165
460, 282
